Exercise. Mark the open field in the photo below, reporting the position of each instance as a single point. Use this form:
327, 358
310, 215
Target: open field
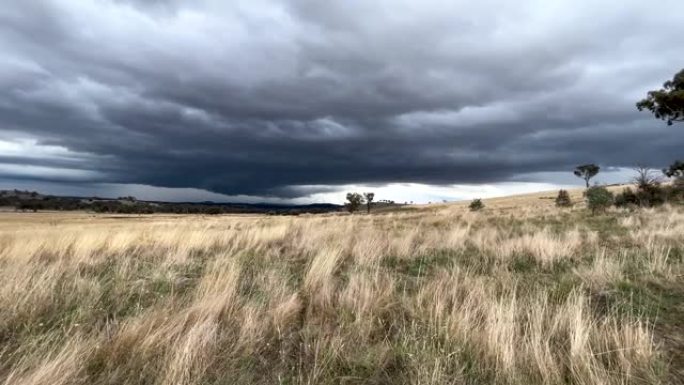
521, 293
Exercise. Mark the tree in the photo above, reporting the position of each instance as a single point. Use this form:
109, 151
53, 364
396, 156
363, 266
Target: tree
563, 199
645, 177
586, 172
598, 199
666, 103
649, 193
369, 196
476, 205
676, 171
354, 200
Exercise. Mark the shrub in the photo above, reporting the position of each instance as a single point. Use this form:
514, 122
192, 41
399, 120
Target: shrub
627, 198
563, 199
652, 195
645, 196
678, 184
649, 191
676, 171
476, 205
676, 191
598, 199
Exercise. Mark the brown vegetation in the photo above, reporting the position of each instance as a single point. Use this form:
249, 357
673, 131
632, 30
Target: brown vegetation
518, 293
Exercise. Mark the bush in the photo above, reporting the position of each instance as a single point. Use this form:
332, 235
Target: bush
598, 199
627, 198
678, 183
476, 205
563, 199
676, 190
652, 195
645, 196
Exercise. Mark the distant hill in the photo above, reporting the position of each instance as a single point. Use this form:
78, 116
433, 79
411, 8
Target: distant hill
34, 201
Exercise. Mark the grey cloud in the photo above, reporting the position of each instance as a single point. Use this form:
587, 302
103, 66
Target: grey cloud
264, 97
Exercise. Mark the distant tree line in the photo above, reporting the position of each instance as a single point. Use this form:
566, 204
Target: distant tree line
33, 202
354, 201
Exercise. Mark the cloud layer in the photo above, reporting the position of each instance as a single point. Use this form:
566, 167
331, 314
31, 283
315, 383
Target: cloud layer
283, 98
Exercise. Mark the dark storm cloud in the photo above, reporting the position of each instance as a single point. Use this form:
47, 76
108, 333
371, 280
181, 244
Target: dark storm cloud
287, 97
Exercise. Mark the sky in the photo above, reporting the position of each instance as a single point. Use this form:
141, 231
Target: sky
300, 101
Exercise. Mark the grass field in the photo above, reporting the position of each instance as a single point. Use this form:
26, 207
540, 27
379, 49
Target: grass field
520, 293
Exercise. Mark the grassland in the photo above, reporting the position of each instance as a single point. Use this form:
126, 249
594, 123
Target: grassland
521, 293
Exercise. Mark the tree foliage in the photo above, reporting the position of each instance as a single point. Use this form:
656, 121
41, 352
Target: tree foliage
666, 103
369, 196
354, 200
586, 172
676, 170
598, 199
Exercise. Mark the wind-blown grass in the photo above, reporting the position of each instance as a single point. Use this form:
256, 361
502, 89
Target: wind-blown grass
432, 296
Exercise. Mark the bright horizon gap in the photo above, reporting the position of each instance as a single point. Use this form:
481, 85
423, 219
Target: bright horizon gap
418, 193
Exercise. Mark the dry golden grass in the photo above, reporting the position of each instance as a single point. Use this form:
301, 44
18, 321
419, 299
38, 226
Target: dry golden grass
519, 293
